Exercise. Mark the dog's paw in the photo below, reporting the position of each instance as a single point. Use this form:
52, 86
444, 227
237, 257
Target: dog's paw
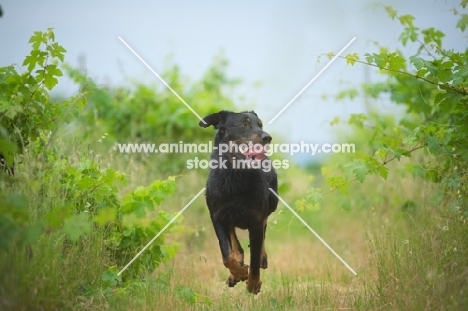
240, 272
232, 281
254, 287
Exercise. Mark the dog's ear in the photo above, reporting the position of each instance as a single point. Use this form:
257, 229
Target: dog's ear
213, 119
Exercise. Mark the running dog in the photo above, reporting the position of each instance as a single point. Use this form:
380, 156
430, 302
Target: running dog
237, 192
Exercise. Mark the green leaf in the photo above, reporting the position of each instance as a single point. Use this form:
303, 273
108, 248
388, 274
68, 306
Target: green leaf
433, 35
50, 34
128, 231
10, 111
369, 58
30, 61
56, 51
139, 209
300, 205
430, 66
417, 62
409, 140
409, 33
50, 79
314, 196
159, 190
105, 216
8, 150
374, 90
56, 217
349, 93
169, 251
391, 12
396, 62
352, 58
445, 75
406, 20
357, 119
335, 121
77, 226
463, 22
110, 277
86, 182
402, 152
13, 111
311, 202
37, 38
359, 169
35, 58
380, 60
383, 171
337, 182
433, 143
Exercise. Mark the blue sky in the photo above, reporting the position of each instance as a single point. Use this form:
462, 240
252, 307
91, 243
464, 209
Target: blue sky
276, 43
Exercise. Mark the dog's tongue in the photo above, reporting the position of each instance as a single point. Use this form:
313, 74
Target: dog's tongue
255, 155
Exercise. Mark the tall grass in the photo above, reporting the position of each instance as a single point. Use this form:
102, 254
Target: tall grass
408, 247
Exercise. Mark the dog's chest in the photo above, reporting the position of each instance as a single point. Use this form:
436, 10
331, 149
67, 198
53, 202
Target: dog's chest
240, 184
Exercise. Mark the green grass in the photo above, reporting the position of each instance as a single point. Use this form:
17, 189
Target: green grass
407, 256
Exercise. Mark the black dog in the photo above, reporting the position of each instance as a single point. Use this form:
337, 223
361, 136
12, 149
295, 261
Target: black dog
237, 192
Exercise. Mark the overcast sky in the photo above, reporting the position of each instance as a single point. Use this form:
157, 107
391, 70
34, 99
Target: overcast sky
273, 42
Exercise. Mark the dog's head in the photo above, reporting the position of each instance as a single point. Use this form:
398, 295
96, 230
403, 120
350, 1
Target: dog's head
243, 129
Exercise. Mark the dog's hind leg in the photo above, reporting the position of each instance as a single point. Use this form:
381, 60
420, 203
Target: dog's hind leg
256, 235
263, 256
232, 253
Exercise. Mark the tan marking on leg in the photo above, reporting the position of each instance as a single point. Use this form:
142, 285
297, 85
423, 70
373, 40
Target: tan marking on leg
237, 251
254, 284
238, 270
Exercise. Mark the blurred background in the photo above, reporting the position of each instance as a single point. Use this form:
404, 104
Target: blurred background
273, 47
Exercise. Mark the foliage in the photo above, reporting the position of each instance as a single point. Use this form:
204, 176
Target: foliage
431, 85
68, 199
92, 196
25, 106
26, 115
92, 200
152, 113
14, 219
136, 223
417, 244
312, 200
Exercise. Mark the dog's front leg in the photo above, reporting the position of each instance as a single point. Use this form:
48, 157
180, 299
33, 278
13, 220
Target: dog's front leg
239, 271
256, 234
